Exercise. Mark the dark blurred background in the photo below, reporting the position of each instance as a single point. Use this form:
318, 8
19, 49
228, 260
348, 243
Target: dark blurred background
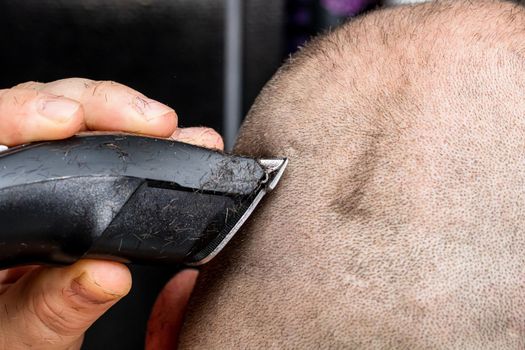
208, 59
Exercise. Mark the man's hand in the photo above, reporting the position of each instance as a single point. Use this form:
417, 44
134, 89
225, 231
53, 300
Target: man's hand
167, 315
51, 308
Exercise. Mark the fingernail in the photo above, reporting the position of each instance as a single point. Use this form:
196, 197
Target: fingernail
150, 109
199, 136
57, 109
90, 291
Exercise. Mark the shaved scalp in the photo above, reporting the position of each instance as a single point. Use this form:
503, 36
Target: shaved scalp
400, 223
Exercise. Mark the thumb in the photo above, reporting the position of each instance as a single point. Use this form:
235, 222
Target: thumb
51, 308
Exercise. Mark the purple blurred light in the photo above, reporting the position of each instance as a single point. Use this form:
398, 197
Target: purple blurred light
345, 7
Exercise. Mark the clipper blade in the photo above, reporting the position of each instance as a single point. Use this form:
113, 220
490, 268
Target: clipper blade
274, 169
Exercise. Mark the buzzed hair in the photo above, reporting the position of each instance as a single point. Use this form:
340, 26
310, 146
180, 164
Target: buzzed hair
400, 222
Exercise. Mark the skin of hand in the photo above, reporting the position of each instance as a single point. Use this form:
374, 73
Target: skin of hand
52, 307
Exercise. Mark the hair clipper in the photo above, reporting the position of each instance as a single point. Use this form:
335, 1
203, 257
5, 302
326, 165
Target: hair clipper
125, 198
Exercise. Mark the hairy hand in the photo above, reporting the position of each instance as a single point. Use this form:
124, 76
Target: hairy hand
51, 308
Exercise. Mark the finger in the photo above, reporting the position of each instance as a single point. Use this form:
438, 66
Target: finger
12, 275
168, 312
27, 115
111, 106
29, 85
55, 306
204, 137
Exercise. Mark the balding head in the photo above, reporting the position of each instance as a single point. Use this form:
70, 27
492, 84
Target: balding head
400, 221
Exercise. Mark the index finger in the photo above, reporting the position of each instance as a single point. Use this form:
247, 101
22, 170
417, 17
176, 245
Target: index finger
111, 106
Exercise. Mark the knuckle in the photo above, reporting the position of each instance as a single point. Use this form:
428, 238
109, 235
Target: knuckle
2, 93
52, 316
110, 83
106, 83
28, 85
81, 81
94, 85
100, 87
16, 99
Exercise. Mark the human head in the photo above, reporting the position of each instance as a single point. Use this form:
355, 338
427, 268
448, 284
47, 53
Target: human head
400, 220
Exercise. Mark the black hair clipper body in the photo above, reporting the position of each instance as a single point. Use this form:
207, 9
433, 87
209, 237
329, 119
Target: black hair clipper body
124, 198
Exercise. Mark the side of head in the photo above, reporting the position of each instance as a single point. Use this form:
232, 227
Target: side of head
400, 221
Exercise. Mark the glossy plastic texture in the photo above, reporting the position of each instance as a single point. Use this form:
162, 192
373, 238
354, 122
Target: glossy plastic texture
119, 197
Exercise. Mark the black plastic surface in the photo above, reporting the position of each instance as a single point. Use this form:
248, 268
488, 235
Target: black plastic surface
56, 222
133, 156
159, 225
118, 197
